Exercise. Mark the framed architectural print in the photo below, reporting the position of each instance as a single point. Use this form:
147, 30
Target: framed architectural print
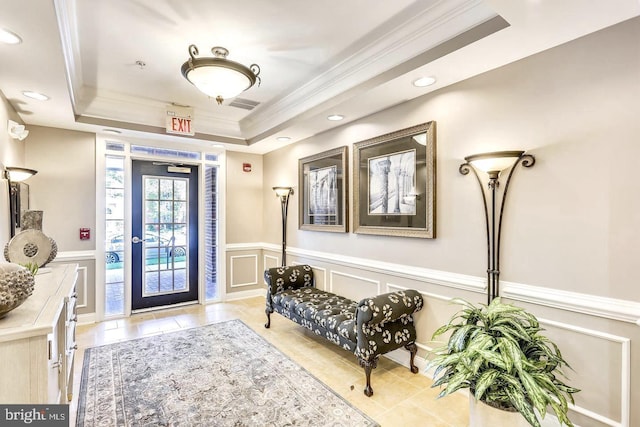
394, 183
322, 179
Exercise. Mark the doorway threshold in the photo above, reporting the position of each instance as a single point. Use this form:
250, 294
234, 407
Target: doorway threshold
164, 307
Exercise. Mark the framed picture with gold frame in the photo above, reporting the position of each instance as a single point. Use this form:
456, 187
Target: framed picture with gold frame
394, 183
322, 179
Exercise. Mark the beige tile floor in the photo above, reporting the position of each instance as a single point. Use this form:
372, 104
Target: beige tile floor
400, 398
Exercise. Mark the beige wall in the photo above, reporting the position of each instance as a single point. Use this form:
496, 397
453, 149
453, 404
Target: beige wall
244, 223
64, 187
11, 154
572, 222
244, 193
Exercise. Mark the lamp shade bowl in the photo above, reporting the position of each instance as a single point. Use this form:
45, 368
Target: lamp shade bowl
494, 162
19, 174
217, 76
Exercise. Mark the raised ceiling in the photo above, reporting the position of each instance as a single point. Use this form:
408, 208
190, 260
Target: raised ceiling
351, 57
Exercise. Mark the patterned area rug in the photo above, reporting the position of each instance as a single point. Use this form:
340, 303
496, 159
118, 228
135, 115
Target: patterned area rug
222, 374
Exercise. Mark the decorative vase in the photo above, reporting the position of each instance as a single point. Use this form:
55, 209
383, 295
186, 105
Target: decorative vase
31, 245
16, 285
31, 220
483, 415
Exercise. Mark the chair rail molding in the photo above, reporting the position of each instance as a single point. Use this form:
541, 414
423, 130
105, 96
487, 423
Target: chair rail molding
75, 255
593, 305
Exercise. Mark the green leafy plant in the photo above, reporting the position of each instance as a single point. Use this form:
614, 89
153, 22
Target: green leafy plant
32, 267
498, 353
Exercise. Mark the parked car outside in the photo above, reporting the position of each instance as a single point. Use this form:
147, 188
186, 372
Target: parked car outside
115, 248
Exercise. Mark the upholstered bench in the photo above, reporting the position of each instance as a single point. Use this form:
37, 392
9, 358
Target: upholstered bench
368, 328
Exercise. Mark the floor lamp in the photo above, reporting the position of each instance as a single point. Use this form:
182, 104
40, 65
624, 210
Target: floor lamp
493, 164
283, 193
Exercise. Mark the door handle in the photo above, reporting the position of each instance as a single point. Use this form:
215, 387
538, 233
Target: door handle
136, 239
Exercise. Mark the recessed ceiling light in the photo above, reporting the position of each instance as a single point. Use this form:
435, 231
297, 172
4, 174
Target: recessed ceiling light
424, 81
35, 95
112, 131
283, 138
9, 37
335, 117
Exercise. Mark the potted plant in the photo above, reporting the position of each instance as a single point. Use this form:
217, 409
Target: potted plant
498, 353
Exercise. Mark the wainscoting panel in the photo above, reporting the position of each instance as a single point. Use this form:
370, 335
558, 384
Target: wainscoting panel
607, 404
81, 286
85, 284
244, 270
320, 275
353, 286
270, 261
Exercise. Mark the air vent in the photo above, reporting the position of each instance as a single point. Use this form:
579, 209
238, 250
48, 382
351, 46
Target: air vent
246, 104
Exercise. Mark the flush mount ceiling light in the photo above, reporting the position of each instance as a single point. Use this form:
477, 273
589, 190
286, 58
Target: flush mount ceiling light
335, 117
283, 138
9, 37
424, 81
217, 76
35, 95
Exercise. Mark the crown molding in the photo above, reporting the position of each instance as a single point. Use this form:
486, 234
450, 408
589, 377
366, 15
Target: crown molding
404, 37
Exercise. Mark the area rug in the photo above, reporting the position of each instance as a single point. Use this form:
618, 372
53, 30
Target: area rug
222, 374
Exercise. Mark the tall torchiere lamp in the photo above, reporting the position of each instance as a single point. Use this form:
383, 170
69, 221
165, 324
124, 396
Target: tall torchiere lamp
493, 164
283, 193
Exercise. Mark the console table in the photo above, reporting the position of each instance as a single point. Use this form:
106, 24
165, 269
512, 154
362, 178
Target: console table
37, 341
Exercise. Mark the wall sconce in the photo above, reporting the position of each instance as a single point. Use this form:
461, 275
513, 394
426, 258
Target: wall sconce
18, 174
283, 193
493, 164
15, 176
17, 131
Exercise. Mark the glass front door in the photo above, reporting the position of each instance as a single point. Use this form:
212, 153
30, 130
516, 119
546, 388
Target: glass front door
164, 234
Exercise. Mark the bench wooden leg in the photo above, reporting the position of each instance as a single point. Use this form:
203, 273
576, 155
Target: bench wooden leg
268, 324
368, 367
413, 349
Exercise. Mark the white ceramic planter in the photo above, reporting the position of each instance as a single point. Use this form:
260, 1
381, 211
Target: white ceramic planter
483, 415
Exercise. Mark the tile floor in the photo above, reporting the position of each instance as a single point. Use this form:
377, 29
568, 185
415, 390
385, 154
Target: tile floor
400, 398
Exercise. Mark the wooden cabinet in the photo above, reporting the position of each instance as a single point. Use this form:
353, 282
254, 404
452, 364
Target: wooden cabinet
37, 341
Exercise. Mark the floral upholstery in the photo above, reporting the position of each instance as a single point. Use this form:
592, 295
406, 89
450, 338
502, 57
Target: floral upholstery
368, 328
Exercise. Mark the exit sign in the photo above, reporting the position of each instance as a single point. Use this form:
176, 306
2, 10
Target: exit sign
180, 120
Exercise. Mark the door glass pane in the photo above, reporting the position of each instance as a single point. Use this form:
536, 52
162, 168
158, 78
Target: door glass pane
166, 212
166, 251
151, 189
151, 212
166, 189
180, 212
180, 279
180, 190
